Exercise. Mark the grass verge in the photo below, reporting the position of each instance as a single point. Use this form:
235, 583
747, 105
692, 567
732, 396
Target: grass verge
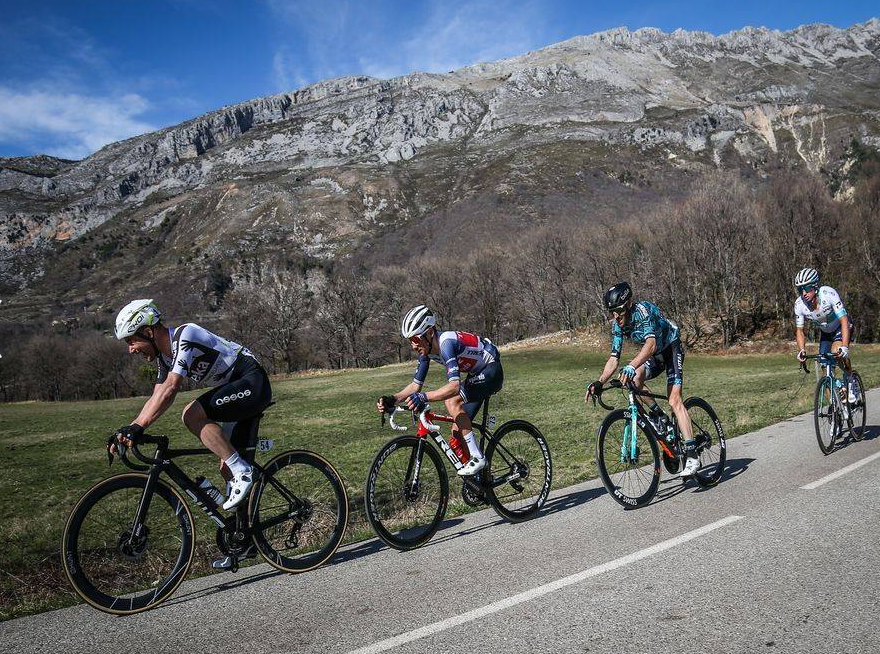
53, 452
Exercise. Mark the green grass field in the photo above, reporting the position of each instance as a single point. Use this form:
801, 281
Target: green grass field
54, 452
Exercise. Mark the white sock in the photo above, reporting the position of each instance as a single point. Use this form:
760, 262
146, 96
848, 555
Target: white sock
473, 445
237, 465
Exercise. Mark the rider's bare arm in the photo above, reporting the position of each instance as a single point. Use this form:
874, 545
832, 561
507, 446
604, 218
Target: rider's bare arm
162, 398
801, 339
411, 388
608, 370
450, 389
844, 330
647, 351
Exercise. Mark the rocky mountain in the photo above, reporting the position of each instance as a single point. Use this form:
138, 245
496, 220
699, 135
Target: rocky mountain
381, 170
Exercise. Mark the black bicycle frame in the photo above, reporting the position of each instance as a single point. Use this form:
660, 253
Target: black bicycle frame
162, 462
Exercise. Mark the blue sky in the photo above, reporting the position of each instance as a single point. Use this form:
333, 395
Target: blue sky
75, 76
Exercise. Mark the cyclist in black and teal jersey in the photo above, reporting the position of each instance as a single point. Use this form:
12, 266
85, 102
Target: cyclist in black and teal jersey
644, 324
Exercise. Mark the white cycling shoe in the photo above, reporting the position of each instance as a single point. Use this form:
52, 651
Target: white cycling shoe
473, 466
691, 465
239, 488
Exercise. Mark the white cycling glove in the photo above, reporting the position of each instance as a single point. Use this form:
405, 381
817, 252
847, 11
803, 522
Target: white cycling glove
843, 351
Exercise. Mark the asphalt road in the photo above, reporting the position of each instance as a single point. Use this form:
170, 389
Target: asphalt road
779, 557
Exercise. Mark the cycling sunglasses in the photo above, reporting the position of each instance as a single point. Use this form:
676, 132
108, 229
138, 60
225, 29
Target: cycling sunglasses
808, 288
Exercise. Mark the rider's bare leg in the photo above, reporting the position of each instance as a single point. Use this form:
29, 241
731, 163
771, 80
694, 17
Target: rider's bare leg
681, 415
208, 431
462, 427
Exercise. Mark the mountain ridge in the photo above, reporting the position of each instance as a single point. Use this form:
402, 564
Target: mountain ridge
326, 170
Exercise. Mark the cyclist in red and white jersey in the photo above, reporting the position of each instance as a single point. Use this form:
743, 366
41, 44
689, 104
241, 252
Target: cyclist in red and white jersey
239, 390
459, 352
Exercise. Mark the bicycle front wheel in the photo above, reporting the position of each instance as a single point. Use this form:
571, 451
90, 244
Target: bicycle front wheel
857, 414
519, 470
117, 566
628, 460
299, 511
407, 492
825, 415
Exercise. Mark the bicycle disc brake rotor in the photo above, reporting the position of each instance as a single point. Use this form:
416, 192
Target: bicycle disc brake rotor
410, 491
132, 548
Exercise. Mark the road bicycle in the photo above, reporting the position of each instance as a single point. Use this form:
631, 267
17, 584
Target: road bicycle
632, 441
833, 414
129, 542
407, 488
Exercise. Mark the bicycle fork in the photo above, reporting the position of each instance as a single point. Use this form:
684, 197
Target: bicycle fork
629, 452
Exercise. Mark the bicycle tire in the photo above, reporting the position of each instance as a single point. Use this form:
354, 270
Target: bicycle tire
312, 530
400, 524
504, 457
710, 442
84, 561
609, 443
825, 417
859, 411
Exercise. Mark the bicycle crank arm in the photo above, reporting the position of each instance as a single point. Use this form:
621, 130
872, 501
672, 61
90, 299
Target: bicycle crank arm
506, 479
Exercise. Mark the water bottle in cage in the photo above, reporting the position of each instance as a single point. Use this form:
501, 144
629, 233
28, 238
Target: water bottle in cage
209, 488
461, 451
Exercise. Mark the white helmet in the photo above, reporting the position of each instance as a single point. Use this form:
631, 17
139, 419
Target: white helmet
134, 315
417, 321
806, 277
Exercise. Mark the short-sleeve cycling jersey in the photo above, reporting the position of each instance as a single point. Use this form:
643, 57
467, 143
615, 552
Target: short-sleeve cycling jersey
459, 352
199, 355
829, 310
645, 321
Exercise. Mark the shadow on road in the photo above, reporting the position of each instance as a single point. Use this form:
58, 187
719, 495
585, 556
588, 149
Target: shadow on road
565, 502
871, 432
732, 468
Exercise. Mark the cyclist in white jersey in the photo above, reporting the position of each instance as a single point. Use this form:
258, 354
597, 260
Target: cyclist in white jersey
239, 386
459, 352
823, 306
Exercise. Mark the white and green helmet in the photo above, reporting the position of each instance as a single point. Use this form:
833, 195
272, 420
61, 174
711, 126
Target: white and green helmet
806, 277
134, 315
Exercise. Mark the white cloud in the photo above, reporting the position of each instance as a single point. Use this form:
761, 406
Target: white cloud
75, 125
465, 33
286, 75
337, 37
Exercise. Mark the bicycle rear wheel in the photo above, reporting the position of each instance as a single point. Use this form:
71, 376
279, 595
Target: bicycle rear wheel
299, 511
825, 415
406, 494
629, 463
709, 441
112, 568
858, 414
518, 452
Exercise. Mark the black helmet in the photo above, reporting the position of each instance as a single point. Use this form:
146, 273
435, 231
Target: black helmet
617, 296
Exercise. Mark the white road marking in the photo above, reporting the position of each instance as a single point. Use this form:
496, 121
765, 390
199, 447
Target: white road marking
841, 472
540, 591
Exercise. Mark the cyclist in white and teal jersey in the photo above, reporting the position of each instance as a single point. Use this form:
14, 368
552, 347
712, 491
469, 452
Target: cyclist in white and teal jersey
459, 352
239, 388
644, 324
822, 305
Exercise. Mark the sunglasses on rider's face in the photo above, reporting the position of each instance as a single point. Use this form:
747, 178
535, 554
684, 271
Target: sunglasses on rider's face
617, 311
809, 288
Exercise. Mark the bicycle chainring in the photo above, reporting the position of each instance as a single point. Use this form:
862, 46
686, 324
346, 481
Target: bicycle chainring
671, 463
471, 496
